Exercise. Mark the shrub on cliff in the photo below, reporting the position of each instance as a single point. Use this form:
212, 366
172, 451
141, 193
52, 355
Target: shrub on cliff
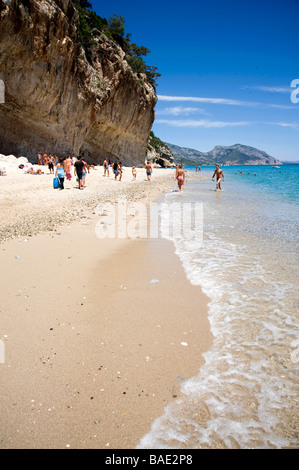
92, 25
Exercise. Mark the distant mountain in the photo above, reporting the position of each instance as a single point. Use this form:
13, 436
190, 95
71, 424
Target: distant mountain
232, 155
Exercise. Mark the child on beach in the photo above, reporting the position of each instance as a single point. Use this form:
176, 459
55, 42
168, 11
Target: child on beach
84, 173
120, 170
134, 173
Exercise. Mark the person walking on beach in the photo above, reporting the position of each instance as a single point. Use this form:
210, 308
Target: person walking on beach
115, 169
68, 166
78, 171
180, 176
219, 174
148, 169
134, 173
60, 173
106, 167
51, 163
84, 173
120, 170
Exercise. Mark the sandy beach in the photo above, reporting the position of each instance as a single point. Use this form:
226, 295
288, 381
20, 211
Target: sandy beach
98, 334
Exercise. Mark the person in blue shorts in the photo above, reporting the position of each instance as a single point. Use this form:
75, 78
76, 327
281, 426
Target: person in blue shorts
78, 171
148, 169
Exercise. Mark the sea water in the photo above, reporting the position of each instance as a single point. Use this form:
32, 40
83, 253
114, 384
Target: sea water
246, 393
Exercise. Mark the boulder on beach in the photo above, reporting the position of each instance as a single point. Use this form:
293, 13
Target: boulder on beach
11, 163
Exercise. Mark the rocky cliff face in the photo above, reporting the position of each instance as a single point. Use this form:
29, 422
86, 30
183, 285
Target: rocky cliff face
55, 101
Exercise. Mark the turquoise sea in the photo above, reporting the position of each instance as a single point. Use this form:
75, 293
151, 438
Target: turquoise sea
246, 393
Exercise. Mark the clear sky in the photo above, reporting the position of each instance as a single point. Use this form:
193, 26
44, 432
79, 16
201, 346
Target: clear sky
226, 66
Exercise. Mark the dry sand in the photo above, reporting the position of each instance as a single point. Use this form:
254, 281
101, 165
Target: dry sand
93, 348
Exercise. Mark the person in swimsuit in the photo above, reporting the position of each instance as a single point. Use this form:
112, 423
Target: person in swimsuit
78, 171
134, 173
219, 174
148, 169
115, 169
106, 167
51, 164
180, 176
68, 166
84, 173
120, 170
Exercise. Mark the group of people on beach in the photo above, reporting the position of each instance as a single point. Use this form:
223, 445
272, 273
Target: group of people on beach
117, 169
180, 176
62, 168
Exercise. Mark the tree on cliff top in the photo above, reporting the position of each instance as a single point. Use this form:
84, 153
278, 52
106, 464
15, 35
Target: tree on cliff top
85, 4
92, 25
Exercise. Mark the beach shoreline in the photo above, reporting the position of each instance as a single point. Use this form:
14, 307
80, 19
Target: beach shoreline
99, 334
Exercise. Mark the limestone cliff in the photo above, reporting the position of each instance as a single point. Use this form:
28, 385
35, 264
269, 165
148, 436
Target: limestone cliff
158, 152
55, 101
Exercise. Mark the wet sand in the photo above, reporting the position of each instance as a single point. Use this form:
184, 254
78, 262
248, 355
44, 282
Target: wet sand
98, 334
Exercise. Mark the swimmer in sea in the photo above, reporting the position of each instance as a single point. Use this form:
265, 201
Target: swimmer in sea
219, 174
180, 176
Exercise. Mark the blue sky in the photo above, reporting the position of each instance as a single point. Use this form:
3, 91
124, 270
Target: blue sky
227, 69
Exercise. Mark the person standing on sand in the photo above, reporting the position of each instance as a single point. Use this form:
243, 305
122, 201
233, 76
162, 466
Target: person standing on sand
115, 169
85, 169
134, 173
68, 166
180, 176
120, 170
219, 174
148, 169
51, 163
78, 171
39, 159
60, 173
106, 167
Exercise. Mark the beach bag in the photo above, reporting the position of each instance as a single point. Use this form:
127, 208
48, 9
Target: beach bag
55, 183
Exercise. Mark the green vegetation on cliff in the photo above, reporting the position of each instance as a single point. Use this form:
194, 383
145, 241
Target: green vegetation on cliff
155, 142
91, 25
